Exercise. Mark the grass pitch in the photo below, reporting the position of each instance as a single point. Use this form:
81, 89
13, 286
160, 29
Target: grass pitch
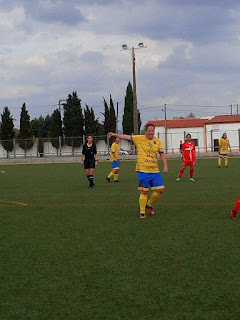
68, 252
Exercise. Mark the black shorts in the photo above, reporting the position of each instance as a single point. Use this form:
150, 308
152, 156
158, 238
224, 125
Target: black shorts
89, 163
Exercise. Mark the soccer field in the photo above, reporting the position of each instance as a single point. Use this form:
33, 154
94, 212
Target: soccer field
69, 252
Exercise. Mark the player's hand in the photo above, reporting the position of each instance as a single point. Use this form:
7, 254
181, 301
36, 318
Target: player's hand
165, 170
96, 163
111, 134
81, 161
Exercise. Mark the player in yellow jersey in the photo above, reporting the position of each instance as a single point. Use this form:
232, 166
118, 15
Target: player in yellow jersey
224, 145
148, 148
114, 157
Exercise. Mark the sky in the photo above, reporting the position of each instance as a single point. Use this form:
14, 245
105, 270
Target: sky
49, 48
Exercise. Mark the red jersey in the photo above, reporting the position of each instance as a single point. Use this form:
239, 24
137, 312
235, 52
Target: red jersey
188, 149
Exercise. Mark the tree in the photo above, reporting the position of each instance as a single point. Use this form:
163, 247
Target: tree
112, 116
7, 132
190, 115
106, 121
73, 120
40, 129
25, 135
91, 124
127, 123
56, 130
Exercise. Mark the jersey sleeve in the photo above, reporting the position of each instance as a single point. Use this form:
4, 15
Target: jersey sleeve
83, 149
95, 149
136, 139
160, 147
220, 142
113, 148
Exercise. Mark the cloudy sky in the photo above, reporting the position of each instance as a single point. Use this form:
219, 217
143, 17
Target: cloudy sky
51, 47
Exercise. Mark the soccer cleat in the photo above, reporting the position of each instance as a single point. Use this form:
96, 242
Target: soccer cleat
233, 215
178, 179
116, 181
219, 167
108, 180
143, 215
192, 179
90, 187
150, 210
226, 166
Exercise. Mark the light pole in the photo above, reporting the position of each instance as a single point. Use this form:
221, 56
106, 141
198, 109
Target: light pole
135, 111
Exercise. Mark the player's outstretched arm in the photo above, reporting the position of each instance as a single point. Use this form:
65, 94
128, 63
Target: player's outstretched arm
164, 160
120, 136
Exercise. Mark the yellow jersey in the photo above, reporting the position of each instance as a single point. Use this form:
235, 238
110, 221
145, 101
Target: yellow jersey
147, 153
224, 144
114, 149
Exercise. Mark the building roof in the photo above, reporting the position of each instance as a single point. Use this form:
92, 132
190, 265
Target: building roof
180, 123
225, 119
195, 122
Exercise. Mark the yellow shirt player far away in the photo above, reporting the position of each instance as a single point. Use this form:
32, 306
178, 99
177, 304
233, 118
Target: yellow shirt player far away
149, 176
224, 145
114, 157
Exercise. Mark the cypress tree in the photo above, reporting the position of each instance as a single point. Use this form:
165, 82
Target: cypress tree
128, 127
56, 128
73, 120
106, 121
112, 116
7, 133
25, 135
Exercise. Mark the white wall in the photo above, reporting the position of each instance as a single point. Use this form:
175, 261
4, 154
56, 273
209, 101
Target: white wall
217, 131
174, 135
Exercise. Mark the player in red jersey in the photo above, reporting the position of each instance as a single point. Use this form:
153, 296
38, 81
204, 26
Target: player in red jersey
188, 152
235, 209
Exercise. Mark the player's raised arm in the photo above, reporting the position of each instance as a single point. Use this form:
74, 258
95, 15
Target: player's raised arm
120, 136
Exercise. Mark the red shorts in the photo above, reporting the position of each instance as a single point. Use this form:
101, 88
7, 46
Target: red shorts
190, 163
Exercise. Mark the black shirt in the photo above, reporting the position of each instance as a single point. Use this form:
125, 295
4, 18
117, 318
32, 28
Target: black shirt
89, 152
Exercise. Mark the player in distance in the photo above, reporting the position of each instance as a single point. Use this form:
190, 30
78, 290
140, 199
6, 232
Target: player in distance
188, 157
114, 158
224, 145
148, 148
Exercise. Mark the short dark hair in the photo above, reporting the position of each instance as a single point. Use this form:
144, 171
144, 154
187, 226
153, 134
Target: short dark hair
149, 125
224, 134
189, 135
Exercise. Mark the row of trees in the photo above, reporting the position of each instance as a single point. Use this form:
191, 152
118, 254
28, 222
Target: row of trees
76, 123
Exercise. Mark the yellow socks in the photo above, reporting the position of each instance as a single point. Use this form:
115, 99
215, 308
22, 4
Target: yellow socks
116, 176
226, 162
111, 174
142, 202
154, 197
219, 162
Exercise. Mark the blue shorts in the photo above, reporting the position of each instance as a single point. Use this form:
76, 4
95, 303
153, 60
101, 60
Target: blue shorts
150, 180
223, 154
116, 164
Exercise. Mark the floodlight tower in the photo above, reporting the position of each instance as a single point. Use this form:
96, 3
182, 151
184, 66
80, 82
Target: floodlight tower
135, 112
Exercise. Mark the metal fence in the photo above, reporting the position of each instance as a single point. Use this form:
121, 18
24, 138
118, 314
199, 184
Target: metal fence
72, 146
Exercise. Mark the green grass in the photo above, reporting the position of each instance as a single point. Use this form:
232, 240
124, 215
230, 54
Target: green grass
75, 253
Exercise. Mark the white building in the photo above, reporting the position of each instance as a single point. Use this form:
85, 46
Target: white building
206, 132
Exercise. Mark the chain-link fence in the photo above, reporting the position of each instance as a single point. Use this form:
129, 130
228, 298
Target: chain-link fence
207, 143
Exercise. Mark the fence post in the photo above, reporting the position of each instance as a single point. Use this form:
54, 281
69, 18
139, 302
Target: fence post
60, 145
14, 148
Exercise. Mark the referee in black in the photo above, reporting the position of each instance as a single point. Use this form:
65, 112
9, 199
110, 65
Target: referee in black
89, 159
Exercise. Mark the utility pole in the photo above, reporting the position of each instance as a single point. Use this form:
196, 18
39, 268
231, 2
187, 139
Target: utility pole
117, 120
237, 108
231, 108
60, 103
135, 110
165, 126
